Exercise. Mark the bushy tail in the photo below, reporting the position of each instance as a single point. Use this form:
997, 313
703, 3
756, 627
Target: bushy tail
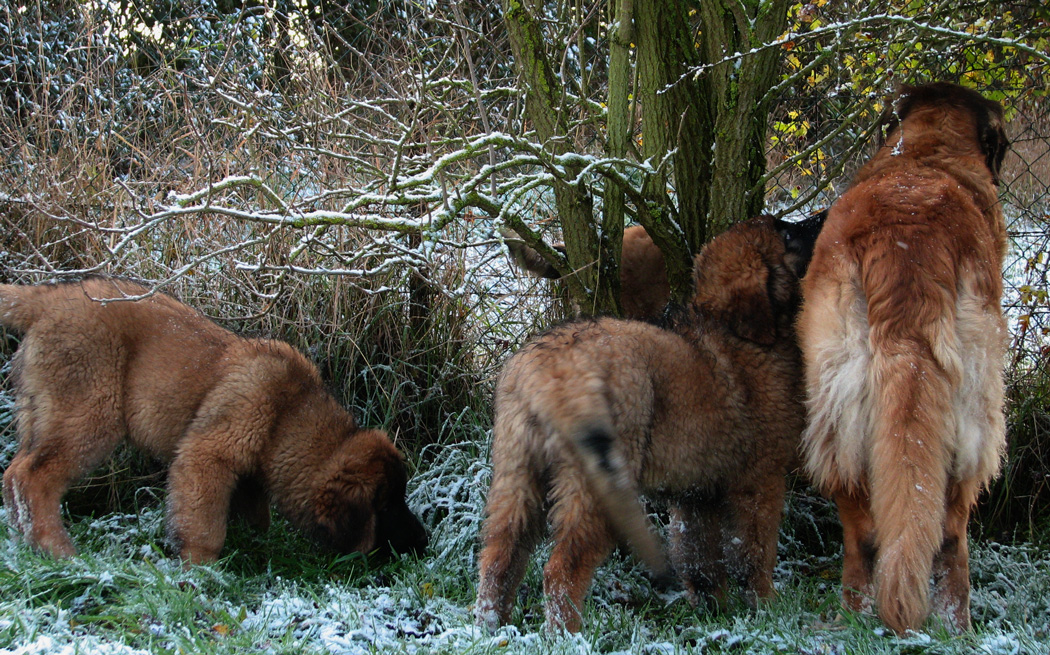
913, 366
584, 417
18, 307
528, 259
620, 496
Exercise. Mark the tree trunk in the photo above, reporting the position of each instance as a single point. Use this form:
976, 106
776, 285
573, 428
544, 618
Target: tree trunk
675, 117
619, 129
738, 89
706, 132
545, 107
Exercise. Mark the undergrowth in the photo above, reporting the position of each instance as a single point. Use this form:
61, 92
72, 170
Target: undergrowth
1017, 505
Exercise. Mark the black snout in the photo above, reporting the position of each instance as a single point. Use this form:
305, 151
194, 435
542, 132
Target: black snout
401, 532
800, 237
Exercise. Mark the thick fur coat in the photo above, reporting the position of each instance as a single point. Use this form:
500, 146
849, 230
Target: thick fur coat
707, 414
228, 413
904, 341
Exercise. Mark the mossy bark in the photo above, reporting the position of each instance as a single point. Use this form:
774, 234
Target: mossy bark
675, 117
545, 107
619, 130
737, 92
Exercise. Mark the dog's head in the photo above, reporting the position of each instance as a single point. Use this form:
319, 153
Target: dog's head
988, 121
799, 239
360, 506
747, 277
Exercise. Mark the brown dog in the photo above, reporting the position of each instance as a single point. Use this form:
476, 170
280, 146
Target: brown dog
227, 412
707, 413
904, 343
644, 289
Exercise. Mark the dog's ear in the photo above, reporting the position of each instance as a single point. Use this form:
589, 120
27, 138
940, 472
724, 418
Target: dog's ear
750, 313
991, 135
737, 295
344, 516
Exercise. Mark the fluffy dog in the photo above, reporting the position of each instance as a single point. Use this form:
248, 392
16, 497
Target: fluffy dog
904, 342
228, 413
707, 413
644, 289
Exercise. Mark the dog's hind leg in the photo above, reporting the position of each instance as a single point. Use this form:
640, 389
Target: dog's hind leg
696, 547
757, 510
858, 540
513, 527
951, 566
62, 440
33, 498
583, 539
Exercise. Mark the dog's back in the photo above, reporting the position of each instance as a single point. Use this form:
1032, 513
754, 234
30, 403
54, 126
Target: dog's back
148, 361
19, 306
70, 307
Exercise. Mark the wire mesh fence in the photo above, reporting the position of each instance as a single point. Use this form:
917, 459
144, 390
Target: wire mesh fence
840, 66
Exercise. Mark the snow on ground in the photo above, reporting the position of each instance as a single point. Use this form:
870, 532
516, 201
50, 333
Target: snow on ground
405, 615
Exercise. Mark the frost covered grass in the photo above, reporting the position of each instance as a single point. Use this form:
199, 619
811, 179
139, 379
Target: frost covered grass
119, 153
276, 593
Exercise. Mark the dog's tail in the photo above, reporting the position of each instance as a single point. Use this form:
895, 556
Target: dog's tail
914, 366
622, 506
528, 259
19, 308
585, 418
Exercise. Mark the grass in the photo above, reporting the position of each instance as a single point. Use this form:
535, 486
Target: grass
276, 593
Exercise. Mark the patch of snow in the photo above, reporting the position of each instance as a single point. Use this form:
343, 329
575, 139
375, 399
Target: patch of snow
1000, 645
79, 645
